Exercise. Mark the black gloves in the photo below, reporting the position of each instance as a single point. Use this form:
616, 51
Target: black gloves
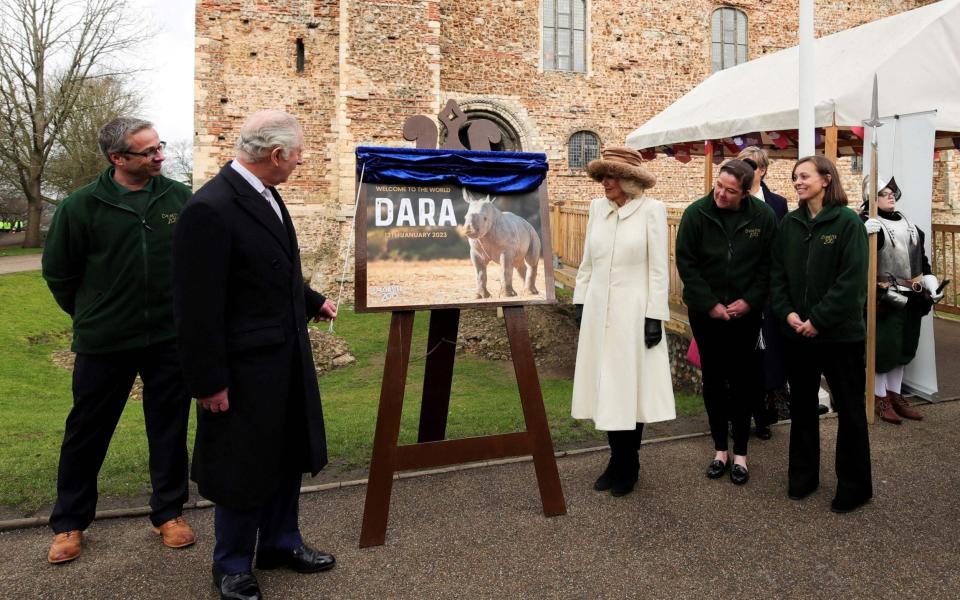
652, 332
578, 314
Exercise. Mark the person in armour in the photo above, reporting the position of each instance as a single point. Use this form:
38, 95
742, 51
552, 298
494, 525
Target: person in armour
906, 290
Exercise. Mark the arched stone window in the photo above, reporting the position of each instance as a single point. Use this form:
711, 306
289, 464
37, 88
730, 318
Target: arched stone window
729, 39
583, 147
565, 35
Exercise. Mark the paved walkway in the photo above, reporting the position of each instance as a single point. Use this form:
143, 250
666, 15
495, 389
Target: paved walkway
480, 534
19, 264
16, 264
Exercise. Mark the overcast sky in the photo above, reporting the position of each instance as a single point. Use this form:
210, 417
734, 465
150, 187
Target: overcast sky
167, 60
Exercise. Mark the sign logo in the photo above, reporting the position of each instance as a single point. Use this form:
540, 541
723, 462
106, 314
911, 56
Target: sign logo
828, 239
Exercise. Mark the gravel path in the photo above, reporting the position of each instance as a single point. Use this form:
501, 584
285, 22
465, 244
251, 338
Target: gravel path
480, 534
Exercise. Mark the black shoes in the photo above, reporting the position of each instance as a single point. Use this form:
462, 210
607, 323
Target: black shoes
800, 494
763, 432
622, 487
843, 505
739, 474
605, 481
302, 560
623, 468
619, 479
717, 468
241, 586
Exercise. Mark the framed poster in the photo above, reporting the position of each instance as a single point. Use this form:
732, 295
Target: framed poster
451, 229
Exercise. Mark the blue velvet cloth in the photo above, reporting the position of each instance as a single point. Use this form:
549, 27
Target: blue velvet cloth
488, 172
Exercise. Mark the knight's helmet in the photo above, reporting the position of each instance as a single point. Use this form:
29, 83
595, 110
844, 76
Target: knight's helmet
892, 184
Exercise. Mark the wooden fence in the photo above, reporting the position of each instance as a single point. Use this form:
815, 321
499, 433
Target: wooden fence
568, 224
946, 252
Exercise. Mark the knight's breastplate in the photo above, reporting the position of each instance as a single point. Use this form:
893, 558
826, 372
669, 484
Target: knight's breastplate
901, 255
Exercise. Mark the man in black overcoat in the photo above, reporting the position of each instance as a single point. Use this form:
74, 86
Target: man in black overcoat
241, 309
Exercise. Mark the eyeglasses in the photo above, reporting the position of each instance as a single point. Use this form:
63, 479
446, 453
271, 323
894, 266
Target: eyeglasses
885, 193
149, 152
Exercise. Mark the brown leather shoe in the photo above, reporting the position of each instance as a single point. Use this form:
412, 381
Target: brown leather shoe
176, 533
884, 410
902, 407
65, 547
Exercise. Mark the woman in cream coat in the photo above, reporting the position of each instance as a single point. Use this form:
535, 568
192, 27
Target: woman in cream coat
622, 375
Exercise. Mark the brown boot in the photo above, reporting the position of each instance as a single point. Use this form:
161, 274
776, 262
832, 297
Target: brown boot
902, 407
885, 410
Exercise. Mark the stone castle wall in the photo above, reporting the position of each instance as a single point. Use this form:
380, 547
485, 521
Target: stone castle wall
368, 65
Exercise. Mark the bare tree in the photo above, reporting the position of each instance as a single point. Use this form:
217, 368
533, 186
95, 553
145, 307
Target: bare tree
49, 49
12, 204
75, 159
179, 163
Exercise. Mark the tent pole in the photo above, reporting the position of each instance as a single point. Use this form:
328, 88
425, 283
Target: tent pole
807, 82
830, 144
707, 167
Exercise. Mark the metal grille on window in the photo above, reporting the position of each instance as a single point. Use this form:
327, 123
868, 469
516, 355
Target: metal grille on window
729, 38
584, 147
565, 35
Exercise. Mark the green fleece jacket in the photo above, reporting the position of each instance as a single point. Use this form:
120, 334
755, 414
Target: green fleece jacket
819, 271
718, 267
109, 268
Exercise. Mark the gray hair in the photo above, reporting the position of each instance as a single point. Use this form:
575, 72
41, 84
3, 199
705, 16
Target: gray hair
114, 137
265, 130
631, 187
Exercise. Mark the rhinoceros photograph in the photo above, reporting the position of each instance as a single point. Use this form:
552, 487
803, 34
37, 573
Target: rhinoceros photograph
447, 245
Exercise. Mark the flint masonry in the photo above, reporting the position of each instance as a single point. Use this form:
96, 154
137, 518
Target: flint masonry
562, 77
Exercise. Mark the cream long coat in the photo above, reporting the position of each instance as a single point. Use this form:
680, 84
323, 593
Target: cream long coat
623, 280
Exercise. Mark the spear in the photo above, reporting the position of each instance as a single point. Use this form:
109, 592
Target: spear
873, 123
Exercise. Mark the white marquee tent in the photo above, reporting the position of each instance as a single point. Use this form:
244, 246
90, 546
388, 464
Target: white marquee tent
916, 55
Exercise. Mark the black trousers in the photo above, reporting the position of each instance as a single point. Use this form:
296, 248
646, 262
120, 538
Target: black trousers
774, 371
732, 374
843, 365
275, 526
101, 385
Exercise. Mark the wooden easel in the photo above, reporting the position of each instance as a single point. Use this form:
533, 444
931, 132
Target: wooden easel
431, 449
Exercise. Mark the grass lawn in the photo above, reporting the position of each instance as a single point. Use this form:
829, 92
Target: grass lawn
484, 399
18, 251
36, 398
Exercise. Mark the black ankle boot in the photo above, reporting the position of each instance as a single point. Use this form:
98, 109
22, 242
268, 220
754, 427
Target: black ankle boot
605, 481
624, 449
626, 477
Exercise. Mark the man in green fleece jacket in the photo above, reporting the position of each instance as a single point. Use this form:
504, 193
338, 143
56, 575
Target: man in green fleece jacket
723, 256
107, 263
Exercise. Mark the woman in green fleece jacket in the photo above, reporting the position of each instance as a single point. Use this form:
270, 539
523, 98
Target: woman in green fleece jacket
723, 257
818, 289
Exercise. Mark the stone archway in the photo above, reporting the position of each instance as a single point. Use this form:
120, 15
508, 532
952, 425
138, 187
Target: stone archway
514, 133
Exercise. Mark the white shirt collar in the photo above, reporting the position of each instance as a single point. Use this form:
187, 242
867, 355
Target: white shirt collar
254, 181
248, 176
